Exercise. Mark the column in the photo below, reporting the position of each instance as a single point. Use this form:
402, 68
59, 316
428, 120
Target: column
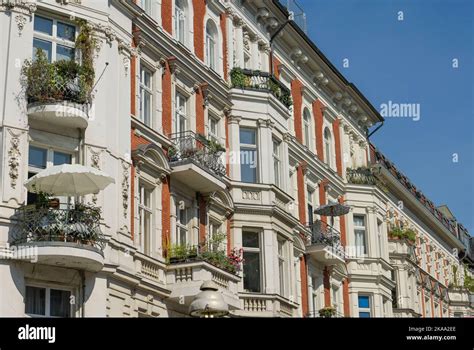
239, 43
234, 147
265, 150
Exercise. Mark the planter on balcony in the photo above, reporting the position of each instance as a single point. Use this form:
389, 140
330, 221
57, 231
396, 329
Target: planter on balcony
61, 92
63, 237
257, 80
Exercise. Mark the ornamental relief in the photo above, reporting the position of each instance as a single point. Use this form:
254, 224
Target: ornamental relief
125, 187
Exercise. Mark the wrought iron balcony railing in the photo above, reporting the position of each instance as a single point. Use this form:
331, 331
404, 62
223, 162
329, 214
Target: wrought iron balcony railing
361, 176
80, 225
249, 79
325, 234
196, 148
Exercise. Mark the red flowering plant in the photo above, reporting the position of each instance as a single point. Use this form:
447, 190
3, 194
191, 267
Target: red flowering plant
236, 258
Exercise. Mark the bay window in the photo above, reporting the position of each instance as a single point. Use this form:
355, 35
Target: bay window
360, 235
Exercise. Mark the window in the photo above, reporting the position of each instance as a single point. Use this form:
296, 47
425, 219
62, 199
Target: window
335, 298
276, 163
251, 269
180, 21
248, 155
181, 224
145, 213
41, 158
180, 119
310, 196
427, 307
211, 45
307, 128
146, 5
55, 38
216, 237
47, 302
364, 306
146, 94
214, 128
328, 146
359, 233
283, 266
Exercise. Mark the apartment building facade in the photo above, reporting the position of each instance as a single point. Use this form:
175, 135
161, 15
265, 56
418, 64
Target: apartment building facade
224, 128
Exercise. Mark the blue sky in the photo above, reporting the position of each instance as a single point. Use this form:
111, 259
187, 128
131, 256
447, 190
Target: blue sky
411, 61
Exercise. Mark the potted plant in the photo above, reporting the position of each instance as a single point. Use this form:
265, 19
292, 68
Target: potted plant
327, 312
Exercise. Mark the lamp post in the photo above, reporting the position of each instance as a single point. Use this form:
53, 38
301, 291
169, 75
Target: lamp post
209, 303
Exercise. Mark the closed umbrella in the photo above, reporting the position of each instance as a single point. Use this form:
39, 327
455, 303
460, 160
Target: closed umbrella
69, 180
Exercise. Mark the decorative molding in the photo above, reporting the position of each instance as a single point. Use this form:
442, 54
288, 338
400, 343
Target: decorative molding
14, 157
125, 187
251, 195
20, 22
234, 119
21, 6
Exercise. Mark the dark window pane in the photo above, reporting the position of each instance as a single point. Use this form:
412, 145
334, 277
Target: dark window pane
61, 158
35, 301
248, 136
364, 301
60, 304
31, 197
310, 213
43, 25
364, 314
250, 239
64, 53
66, 31
46, 46
252, 272
37, 157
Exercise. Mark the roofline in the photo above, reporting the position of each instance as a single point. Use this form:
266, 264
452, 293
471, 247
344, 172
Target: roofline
308, 40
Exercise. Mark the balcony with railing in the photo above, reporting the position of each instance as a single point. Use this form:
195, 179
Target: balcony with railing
265, 305
59, 93
325, 245
69, 237
261, 81
197, 161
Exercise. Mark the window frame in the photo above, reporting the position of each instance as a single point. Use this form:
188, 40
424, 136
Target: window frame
364, 309
360, 228
145, 234
180, 35
146, 91
307, 128
328, 141
54, 39
283, 266
181, 115
257, 250
47, 309
249, 148
277, 163
211, 45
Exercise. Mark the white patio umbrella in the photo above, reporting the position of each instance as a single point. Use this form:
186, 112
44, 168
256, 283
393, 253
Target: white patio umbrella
69, 180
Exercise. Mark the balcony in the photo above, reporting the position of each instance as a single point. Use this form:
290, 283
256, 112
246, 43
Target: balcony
325, 244
197, 162
62, 237
265, 305
261, 81
185, 278
361, 176
58, 93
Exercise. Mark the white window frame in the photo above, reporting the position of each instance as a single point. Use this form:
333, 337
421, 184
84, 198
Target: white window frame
365, 309
283, 265
252, 148
307, 128
146, 91
181, 113
364, 230
328, 152
213, 134
277, 164
145, 233
53, 39
211, 45
260, 256
182, 226
147, 6
48, 299
180, 18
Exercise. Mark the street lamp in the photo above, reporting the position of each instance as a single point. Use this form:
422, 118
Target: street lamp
209, 303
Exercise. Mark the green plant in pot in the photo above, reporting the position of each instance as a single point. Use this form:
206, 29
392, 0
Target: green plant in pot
327, 312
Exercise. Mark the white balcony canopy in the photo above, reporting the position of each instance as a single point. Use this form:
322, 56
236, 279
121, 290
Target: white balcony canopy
69, 180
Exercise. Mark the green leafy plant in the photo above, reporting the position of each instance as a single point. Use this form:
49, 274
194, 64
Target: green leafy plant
400, 233
327, 312
468, 280
63, 80
239, 79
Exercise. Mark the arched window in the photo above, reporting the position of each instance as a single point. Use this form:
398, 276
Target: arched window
211, 45
328, 146
306, 128
180, 17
